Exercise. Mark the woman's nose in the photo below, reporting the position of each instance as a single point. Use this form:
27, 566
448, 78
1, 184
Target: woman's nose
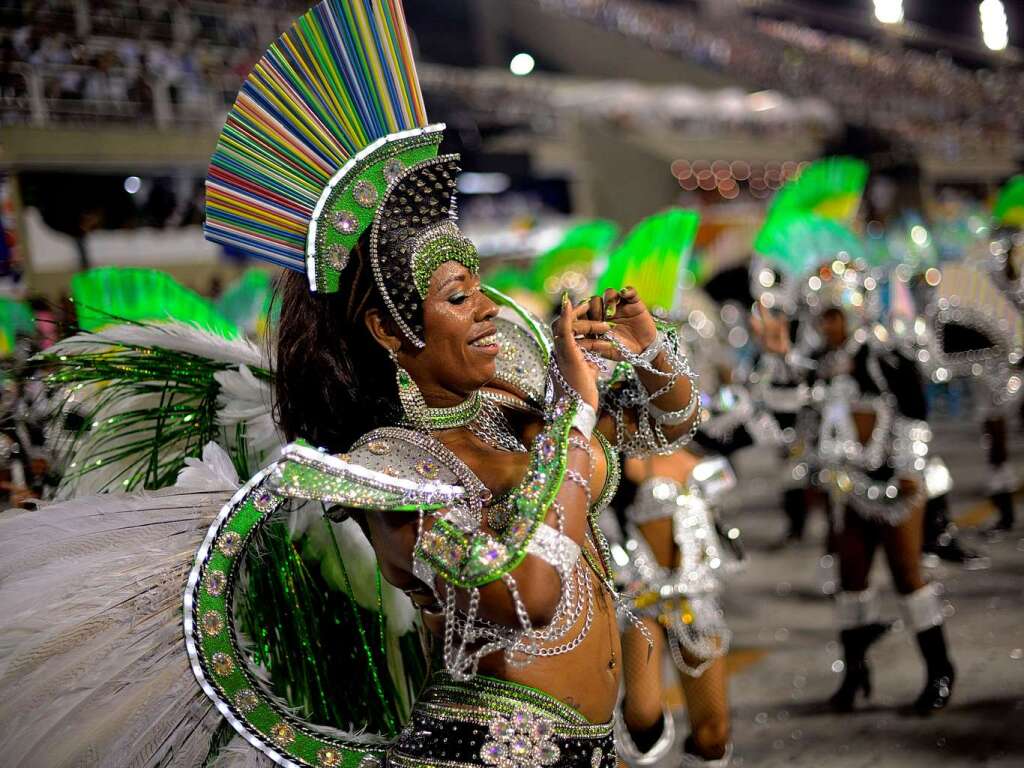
487, 309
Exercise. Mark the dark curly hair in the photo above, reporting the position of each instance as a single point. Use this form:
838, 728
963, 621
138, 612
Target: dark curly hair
334, 382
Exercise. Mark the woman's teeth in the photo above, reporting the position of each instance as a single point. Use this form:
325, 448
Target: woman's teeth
486, 341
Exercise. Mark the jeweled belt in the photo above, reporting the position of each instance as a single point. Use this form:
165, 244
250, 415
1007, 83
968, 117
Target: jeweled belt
488, 722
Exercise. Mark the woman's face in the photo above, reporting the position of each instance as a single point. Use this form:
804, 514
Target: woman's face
461, 342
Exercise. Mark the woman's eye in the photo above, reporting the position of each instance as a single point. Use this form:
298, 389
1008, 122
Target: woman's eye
457, 298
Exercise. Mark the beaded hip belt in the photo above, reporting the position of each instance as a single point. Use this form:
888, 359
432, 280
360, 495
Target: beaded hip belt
493, 723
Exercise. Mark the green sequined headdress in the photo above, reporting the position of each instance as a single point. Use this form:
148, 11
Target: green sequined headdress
328, 143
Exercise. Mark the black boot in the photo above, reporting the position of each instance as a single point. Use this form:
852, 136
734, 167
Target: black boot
794, 502
1003, 502
857, 678
941, 541
939, 687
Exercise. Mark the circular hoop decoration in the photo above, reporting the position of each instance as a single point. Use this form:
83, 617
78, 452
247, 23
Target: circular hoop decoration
219, 665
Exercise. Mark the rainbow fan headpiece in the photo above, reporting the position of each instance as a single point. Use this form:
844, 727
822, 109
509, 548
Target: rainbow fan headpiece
654, 258
328, 142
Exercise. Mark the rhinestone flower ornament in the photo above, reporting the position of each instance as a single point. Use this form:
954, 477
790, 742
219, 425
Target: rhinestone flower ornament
521, 740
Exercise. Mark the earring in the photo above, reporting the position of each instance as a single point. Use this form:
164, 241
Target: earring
409, 396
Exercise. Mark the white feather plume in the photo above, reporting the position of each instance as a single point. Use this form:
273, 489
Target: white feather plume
92, 668
212, 472
177, 337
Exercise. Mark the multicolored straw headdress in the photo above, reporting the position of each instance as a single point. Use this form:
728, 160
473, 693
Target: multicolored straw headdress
328, 140
831, 188
1009, 207
653, 258
112, 295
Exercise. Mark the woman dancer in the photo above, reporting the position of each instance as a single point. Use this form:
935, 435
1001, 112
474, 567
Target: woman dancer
392, 359
675, 556
872, 445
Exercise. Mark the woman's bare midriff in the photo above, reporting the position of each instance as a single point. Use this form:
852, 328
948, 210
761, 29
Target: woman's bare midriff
586, 677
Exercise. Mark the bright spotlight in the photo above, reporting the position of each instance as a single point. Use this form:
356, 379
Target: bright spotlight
521, 64
994, 30
889, 11
132, 184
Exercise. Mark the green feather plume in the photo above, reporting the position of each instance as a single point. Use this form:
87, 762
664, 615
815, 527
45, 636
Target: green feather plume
1009, 208
655, 257
114, 295
831, 188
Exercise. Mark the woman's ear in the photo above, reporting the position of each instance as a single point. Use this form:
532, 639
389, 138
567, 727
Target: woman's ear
378, 328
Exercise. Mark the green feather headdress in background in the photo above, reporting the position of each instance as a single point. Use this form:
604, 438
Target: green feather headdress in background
570, 264
654, 258
831, 188
795, 243
16, 318
1009, 207
114, 295
249, 303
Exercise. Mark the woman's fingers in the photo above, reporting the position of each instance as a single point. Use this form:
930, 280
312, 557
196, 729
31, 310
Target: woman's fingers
563, 325
611, 302
590, 328
596, 308
600, 347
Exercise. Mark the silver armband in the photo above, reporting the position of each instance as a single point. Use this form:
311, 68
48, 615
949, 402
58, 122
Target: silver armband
585, 420
554, 548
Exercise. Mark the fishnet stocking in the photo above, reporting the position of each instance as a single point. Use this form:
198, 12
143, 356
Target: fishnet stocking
642, 705
707, 696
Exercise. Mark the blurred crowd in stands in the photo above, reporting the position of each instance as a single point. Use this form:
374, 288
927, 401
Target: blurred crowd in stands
162, 60
926, 100
182, 61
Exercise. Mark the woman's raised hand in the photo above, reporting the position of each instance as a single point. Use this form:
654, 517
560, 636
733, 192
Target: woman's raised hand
579, 373
625, 315
770, 330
